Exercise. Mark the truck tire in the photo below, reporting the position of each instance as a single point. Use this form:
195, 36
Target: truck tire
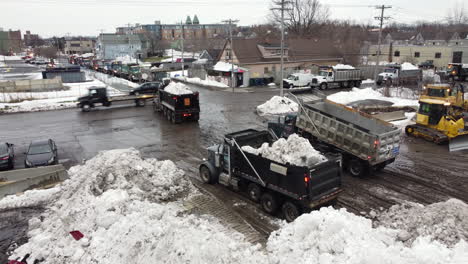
351, 84
345, 84
173, 118
254, 191
206, 175
358, 84
290, 211
269, 203
357, 168
323, 86
140, 102
85, 107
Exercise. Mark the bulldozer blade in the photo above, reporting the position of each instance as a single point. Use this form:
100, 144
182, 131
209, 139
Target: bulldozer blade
458, 143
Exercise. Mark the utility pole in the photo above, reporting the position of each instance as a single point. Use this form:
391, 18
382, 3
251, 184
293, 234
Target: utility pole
182, 38
381, 18
231, 50
282, 7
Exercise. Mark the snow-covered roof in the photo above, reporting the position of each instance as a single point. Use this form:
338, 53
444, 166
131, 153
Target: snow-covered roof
224, 66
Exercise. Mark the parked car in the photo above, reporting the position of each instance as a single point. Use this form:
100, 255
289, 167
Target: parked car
41, 153
146, 88
7, 156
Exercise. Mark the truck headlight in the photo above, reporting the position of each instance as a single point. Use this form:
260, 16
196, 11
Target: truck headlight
50, 161
28, 163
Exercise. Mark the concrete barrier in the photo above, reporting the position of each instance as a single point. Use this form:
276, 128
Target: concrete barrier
31, 86
16, 181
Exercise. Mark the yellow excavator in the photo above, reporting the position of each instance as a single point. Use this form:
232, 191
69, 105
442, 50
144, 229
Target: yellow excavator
442, 116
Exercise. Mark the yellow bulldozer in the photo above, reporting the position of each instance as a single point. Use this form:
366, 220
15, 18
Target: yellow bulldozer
442, 116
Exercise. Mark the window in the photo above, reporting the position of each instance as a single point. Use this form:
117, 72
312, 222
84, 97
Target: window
265, 70
438, 55
273, 68
417, 54
397, 53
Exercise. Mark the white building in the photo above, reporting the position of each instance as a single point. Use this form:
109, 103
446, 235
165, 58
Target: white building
111, 46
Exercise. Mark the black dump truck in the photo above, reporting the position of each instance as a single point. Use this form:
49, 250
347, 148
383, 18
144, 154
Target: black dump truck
293, 189
98, 96
177, 108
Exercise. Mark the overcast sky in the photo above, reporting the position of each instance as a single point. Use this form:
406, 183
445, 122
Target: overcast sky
89, 17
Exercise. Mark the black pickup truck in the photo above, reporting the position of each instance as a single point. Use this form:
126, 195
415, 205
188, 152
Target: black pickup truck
98, 96
293, 189
177, 108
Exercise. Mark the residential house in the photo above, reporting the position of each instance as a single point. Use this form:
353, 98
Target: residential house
79, 46
111, 46
262, 59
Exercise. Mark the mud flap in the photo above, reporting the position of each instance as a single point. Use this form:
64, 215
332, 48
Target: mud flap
459, 143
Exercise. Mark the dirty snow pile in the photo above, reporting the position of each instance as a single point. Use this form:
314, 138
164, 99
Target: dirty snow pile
446, 222
295, 150
277, 105
406, 66
430, 76
124, 207
37, 105
198, 81
343, 67
357, 94
337, 236
178, 88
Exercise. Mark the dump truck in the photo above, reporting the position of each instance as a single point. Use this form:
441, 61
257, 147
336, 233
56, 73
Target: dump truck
399, 74
293, 189
177, 107
457, 72
367, 144
442, 116
99, 96
127, 70
336, 76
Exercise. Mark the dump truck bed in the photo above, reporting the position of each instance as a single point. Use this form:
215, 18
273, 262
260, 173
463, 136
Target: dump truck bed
351, 131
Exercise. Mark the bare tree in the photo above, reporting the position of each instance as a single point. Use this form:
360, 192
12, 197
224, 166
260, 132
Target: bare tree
457, 15
48, 52
304, 17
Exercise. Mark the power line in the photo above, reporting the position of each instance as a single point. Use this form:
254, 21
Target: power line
381, 18
231, 44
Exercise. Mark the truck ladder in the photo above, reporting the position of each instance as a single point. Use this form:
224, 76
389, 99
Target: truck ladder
247, 159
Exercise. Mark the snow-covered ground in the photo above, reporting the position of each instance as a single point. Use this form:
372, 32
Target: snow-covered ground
294, 150
44, 101
277, 105
20, 76
178, 88
10, 58
357, 94
129, 211
198, 81
109, 79
174, 74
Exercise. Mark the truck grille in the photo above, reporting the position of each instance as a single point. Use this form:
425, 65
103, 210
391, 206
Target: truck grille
314, 81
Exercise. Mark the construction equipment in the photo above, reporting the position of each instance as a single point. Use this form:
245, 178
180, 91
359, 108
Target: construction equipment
442, 116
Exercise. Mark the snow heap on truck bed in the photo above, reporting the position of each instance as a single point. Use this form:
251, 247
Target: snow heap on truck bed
278, 105
178, 88
406, 66
295, 150
343, 67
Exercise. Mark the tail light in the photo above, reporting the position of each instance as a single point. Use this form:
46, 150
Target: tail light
174, 98
5, 158
186, 115
306, 179
376, 144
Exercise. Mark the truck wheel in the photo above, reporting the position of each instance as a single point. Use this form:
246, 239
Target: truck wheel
290, 211
205, 175
269, 203
409, 130
357, 168
254, 191
346, 84
323, 86
380, 166
173, 118
351, 84
85, 108
358, 84
140, 102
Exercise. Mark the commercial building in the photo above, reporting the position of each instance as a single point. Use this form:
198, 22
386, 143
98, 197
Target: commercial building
79, 46
10, 41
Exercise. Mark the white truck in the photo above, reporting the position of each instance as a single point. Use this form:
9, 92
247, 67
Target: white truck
343, 76
298, 80
396, 74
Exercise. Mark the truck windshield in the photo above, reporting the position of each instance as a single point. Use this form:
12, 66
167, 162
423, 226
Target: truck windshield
390, 70
436, 92
428, 109
291, 77
323, 73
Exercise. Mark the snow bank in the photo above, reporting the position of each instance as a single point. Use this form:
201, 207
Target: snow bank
295, 150
10, 58
277, 105
446, 222
201, 82
406, 66
357, 94
336, 236
37, 105
126, 59
343, 67
224, 66
178, 88
110, 80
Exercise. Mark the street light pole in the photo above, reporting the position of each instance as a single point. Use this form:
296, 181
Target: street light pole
282, 8
182, 34
231, 44
381, 18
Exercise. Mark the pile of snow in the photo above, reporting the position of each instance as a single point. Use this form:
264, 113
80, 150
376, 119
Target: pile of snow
87, 55
126, 59
409, 117
336, 236
357, 94
295, 150
406, 66
429, 76
37, 105
198, 81
9, 58
178, 88
224, 66
446, 222
178, 54
343, 67
110, 80
277, 105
